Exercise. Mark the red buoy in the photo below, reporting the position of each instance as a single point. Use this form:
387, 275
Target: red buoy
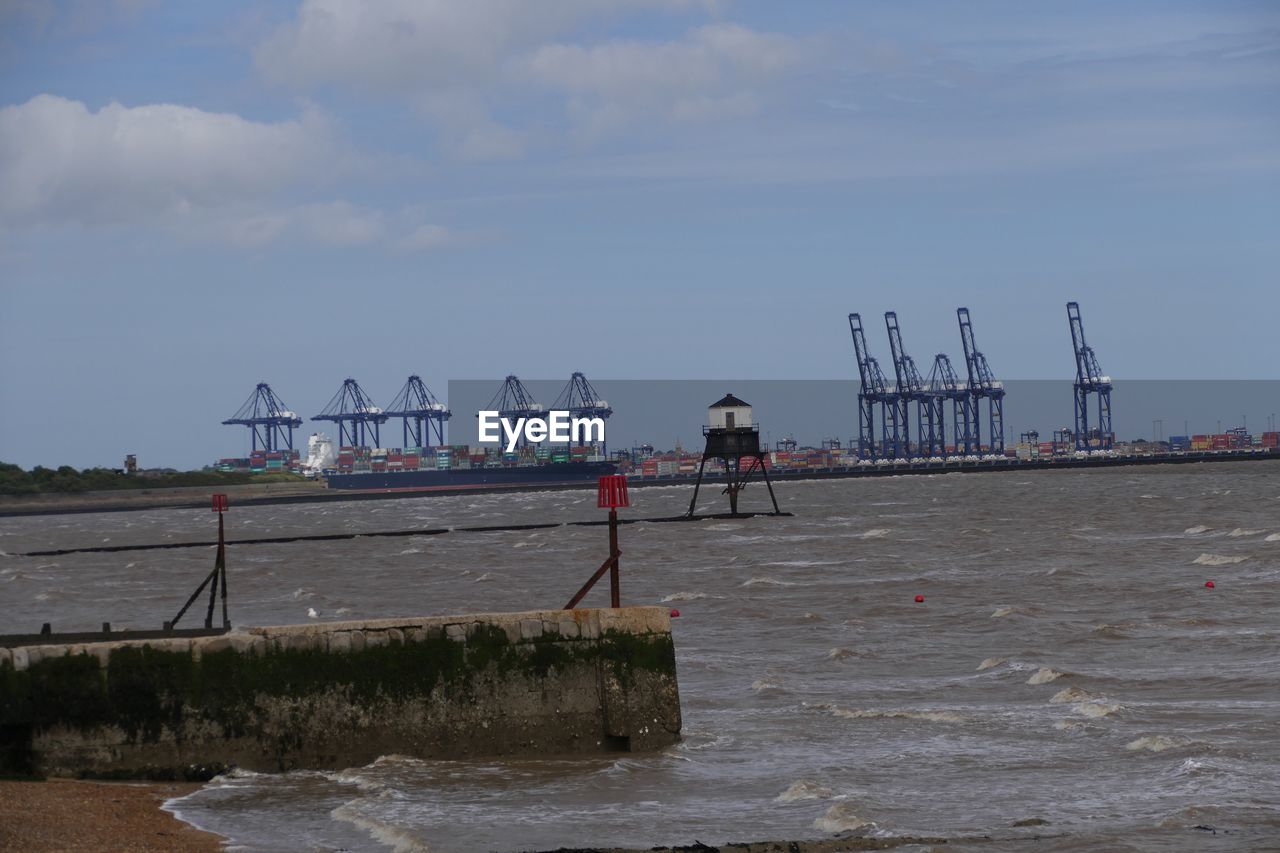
919, 599
1208, 584
674, 613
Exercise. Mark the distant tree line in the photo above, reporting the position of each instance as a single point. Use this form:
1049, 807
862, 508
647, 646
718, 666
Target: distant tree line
65, 479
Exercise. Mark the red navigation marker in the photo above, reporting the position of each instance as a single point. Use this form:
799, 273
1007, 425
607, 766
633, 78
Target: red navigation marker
1208, 584
919, 599
219, 503
612, 492
674, 613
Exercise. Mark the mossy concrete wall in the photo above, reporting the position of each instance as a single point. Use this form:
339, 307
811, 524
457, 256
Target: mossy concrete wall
332, 695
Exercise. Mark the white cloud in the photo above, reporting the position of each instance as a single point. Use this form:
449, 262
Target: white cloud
201, 175
460, 64
59, 161
714, 72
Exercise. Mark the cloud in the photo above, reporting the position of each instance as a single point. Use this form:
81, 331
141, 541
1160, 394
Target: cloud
462, 65
60, 161
714, 72
201, 175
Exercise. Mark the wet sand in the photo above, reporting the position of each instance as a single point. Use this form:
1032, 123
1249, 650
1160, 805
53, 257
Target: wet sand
66, 814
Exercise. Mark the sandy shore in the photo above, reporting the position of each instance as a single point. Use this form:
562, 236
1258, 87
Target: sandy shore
64, 814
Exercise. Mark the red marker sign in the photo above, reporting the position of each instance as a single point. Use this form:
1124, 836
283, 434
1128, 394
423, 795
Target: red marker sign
219, 503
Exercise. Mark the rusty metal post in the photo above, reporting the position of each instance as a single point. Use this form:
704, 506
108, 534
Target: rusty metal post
615, 594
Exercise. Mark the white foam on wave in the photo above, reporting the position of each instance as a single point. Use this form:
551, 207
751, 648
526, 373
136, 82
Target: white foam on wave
765, 580
803, 789
1001, 612
1072, 694
874, 533
760, 685
1155, 743
684, 596
899, 714
1070, 725
1097, 709
1243, 531
1274, 537
989, 663
1199, 528
1217, 560
841, 653
1044, 675
842, 818
399, 840
484, 578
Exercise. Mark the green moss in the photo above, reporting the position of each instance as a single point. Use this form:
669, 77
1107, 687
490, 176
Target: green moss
149, 692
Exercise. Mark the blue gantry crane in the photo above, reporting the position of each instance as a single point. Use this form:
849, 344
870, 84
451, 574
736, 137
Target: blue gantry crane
270, 422
946, 386
355, 414
580, 400
874, 392
513, 401
1089, 380
982, 385
930, 439
421, 413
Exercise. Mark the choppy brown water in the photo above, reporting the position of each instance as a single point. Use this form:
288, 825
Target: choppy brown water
1068, 663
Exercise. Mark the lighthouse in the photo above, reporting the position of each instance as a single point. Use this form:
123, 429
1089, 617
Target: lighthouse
733, 437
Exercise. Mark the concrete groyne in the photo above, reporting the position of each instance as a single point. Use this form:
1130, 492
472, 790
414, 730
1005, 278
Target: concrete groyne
340, 694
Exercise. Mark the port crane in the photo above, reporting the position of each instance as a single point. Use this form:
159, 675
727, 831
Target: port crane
872, 393
513, 402
1089, 380
982, 385
421, 413
580, 400
355, 414
946, 385
271, 424
930, 439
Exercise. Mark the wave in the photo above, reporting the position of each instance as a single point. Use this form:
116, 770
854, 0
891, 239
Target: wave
1097, 708
1155, 743
1045, 674
684, 596
874, 533
760, 685
1070, 725
1000, 612
1111, 632
803, 789
765, 580
1242, 531
1274, 537
841, 653
892, 714
397, 839
484, 578
842, 818
1199, 528
1217, 560
1073, 694
989, 663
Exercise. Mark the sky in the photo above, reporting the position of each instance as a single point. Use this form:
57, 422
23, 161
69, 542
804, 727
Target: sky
197, 197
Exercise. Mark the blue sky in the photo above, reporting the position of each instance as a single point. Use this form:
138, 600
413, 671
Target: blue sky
198, 197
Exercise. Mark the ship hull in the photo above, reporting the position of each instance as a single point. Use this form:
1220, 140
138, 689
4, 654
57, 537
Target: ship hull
552, 474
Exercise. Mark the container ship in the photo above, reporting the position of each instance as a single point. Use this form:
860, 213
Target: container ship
460, 466
455, 466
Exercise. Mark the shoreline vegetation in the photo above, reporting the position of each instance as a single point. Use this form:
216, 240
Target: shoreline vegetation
65, 480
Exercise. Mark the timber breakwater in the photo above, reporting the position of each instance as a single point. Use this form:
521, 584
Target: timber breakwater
341, 694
